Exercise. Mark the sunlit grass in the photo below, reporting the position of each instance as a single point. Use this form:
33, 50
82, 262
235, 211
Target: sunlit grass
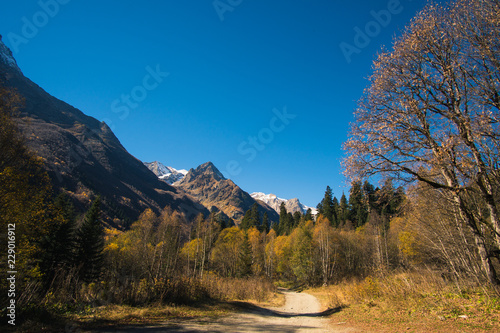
412, 302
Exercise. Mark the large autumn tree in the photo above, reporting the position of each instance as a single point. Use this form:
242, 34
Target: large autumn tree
431, 114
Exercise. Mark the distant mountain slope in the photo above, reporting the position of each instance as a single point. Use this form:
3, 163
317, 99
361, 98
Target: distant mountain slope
85, 158
292, 205
166, 173
207, 184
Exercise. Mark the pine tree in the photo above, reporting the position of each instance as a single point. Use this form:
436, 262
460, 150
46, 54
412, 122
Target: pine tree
90, 244
297, 216
255, 216
389, 199
369, 198
245, 259
358, 213
246, 221
336, 212
320, 209
308, 216
59, 244
285, 222
251, 218
265, 223
276, 228
327, 204
343, 209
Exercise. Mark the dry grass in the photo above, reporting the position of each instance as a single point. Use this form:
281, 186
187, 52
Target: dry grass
119, 315
412, 302
209, 297
231, 289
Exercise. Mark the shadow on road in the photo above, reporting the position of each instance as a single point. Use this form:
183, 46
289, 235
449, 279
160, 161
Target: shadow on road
244, 327
247, 325
247, 317
248, 307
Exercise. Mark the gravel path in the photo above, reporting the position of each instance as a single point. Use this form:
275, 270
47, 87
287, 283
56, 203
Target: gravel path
301, 313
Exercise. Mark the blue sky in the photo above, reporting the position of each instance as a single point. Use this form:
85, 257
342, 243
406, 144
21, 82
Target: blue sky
263, 89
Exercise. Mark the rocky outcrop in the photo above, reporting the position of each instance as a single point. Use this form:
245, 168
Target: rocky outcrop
207, 185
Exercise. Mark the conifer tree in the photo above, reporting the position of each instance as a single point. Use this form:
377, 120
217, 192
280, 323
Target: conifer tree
59, 244
336, 212
369, 198
90, 244
251, 218
343, 209
297, 216
319, 207
255, 216
285, 222
389, 199
246, 221
358, 213
308, 216
290, 223
276, 228
327, 205
265, 223
245, 260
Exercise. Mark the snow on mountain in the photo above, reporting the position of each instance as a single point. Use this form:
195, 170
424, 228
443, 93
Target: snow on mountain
6, 56
292, 205
173, 177
166, 173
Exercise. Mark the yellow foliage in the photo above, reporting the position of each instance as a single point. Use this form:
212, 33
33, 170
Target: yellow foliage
282, 246
253, 235
407, 244
111, 247
191, 248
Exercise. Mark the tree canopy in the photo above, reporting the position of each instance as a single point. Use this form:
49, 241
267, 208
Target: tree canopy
431, 112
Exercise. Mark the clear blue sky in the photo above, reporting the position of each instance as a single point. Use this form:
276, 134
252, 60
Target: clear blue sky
228, 68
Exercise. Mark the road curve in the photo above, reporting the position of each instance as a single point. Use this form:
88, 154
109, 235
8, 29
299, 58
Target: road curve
301, 313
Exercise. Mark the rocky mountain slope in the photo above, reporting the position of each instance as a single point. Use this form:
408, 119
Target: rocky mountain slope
207, 184
84, 158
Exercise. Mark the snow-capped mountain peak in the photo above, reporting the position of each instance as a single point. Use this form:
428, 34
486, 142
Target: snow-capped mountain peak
292, 205
262, 196
166, 173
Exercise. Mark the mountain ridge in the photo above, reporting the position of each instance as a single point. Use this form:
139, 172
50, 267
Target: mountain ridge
84, 158
207, 184
165, 172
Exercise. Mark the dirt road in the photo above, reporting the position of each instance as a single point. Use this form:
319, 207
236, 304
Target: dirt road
301, 313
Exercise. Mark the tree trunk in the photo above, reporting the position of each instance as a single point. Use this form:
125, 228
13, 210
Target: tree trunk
488, 267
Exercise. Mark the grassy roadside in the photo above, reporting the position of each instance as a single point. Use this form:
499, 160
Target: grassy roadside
219, 300
109, 316
411, 302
